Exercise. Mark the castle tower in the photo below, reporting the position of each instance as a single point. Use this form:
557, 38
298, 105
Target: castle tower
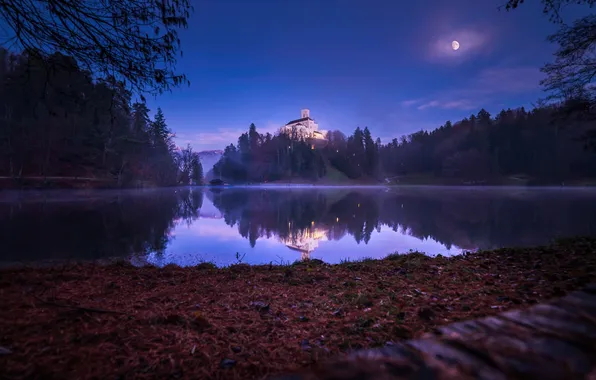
305, 113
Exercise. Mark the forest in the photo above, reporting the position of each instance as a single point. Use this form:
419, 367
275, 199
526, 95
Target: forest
58, 121
546, 145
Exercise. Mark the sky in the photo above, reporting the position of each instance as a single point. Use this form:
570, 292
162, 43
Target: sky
386, 65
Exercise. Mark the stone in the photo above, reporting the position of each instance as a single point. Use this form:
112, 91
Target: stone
426, 314
260, 306
227, 363
305, 345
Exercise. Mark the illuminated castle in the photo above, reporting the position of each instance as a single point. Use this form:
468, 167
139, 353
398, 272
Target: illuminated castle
304, 128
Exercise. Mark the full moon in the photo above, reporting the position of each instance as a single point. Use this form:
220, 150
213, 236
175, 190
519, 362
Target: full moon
455, 45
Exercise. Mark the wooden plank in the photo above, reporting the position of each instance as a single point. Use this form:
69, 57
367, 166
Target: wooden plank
555, 340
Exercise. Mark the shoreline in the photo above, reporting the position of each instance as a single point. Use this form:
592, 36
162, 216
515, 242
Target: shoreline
86, 184
249, 322
7, 194
297, 185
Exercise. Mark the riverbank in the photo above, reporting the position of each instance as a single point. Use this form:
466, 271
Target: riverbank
91, 321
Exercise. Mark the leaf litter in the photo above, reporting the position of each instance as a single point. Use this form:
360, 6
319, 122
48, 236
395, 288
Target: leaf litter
119, 321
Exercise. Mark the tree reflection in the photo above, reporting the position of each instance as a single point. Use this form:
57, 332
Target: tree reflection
70, 225
469, 219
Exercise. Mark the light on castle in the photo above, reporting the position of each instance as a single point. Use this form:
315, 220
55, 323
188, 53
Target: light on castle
305, 128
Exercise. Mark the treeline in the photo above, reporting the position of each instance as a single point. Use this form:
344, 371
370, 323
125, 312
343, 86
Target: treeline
57, 120
540, 146
544, 144
264, 158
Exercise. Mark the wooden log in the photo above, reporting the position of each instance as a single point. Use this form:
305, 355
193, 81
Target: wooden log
556, 340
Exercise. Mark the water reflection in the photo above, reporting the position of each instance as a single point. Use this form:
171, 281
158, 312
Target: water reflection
59, 225
186, 226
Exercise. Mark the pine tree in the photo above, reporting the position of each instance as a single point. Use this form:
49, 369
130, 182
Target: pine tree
160, 134
140, 118
197, 170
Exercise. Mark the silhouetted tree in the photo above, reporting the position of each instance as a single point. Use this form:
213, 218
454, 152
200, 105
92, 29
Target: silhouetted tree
57, 121
571, 78
132, 41
197, 170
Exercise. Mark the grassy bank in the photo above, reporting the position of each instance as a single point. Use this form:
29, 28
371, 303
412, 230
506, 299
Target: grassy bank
515, 180
119, 321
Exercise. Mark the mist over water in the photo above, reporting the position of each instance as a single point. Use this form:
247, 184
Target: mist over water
281, 224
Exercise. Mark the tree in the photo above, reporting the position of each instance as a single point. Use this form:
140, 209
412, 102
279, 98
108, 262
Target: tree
58, 121
140, 118
253, 138
196, 170
573, 72
161, 136
370, 165
189, 166
552, 8
133, 41
572, 76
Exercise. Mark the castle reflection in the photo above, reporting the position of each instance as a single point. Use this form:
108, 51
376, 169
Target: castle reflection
304, 241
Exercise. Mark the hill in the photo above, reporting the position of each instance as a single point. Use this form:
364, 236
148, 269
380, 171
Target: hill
208, 159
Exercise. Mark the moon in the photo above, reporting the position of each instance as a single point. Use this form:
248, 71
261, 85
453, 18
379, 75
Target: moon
455, 45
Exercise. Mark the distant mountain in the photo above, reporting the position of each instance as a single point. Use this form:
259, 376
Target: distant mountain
209, 158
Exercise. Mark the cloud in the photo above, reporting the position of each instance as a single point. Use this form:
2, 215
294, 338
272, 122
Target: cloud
483, 89
471, 43
219, 137
509, 79
409, 103
431, 104
462, 104
211, 229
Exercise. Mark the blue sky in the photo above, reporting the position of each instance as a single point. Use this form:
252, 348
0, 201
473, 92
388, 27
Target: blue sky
383, 64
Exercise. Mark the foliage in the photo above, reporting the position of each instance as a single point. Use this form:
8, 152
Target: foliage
196, 173
190, 168
515, 142
56, 120
265, 158
131, 41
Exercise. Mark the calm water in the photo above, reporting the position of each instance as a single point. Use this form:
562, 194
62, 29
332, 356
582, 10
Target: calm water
280, 225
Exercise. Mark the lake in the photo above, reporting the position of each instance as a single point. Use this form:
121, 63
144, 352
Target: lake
279, 225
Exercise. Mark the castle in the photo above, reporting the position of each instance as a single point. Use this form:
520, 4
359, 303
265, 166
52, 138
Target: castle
304, 128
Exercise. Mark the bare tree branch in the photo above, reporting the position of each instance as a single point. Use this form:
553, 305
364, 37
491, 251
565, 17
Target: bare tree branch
134, 41
552, 8
573, 72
